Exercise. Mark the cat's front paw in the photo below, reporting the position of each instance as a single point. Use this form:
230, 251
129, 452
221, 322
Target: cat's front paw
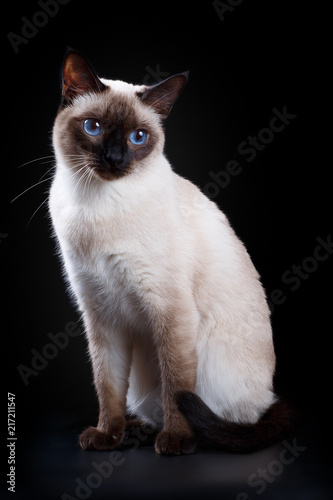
173, 443
94, 439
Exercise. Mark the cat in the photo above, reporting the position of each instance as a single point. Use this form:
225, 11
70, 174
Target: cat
174, 311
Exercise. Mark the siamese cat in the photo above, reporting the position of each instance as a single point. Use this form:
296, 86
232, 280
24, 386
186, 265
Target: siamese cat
174, 311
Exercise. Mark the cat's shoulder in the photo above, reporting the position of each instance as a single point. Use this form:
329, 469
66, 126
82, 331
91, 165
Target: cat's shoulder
193, 202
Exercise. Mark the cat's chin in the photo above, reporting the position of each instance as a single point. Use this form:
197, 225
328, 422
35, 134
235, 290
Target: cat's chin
108, 174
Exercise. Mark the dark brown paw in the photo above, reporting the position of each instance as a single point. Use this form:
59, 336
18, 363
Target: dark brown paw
172, 443
94, 439
138, 434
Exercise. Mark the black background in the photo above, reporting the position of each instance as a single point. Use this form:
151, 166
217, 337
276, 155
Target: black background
263, 55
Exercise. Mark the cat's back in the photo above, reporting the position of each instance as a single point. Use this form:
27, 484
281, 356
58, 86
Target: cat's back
209, 225
222, 264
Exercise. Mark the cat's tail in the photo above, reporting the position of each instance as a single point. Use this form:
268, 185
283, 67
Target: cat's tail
277, 423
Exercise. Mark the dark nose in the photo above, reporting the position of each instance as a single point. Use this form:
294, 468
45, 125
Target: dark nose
113, 155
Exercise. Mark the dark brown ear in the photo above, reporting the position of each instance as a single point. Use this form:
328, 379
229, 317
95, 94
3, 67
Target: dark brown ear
78, 77
162, 96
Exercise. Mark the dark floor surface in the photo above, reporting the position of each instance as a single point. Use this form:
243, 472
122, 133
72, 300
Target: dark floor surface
52, 466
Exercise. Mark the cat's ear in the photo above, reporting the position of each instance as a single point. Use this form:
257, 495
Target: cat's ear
78, 77
162, 96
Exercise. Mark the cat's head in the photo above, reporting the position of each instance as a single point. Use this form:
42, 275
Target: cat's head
110, 127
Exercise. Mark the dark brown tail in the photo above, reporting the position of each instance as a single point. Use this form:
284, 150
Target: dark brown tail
278, 422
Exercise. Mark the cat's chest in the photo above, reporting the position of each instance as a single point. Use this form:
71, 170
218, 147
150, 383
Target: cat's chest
86, 235
108, 278
110, 259
116, 263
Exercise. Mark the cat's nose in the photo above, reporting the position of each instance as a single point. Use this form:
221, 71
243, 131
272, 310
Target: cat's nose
113, 156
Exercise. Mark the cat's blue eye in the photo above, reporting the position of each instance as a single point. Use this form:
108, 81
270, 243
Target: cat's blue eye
92, 127
138, 137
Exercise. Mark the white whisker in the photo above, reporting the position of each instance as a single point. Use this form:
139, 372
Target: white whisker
46, 173
77, 172
86, 183
85, 173
28, 189
37, 159
36, 211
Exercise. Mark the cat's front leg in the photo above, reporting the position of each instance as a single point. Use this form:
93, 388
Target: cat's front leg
176, 347
111, 365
